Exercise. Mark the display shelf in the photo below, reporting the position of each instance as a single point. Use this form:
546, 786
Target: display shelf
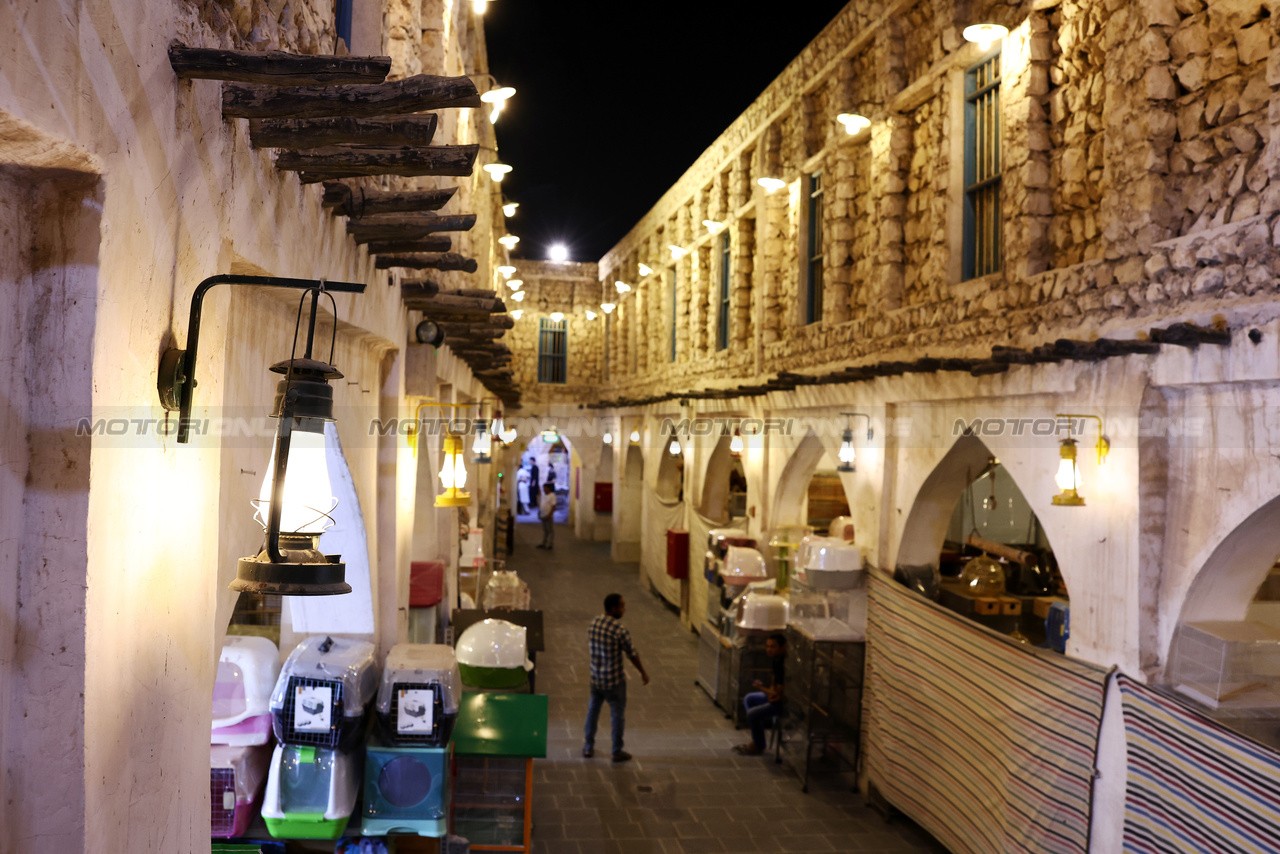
824, 700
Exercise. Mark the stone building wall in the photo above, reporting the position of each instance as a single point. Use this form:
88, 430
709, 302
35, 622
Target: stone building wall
572, 289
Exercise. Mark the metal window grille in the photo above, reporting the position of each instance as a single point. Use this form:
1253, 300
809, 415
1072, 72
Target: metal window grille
673, 278
722, 324
553, 352
982, 219
813, 305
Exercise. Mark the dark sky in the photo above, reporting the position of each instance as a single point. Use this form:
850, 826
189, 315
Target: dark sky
616, 100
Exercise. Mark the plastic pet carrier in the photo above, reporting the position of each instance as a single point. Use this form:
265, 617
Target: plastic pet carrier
406, 790
247, 670
418, 699
236, 778
311, 791
323, 690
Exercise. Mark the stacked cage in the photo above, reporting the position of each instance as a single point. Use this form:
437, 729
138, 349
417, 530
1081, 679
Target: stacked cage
319, 712
240, 738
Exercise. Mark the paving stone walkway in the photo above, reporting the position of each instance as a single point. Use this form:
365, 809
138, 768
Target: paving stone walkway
686, 791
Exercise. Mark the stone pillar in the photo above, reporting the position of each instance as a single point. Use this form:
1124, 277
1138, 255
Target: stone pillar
890, 160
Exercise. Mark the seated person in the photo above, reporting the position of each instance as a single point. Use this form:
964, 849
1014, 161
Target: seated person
764, 706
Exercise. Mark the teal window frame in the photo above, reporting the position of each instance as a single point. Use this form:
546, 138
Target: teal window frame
983, 222
813, 283
722, 315
553, 351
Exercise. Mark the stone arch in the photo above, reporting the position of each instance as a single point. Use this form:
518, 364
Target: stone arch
1226, 583
925, 529
792, 494
715, 481
668, 483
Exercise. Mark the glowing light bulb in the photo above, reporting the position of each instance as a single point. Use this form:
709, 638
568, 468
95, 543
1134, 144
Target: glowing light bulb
506, 270
736, 444
853, 123
635, 437
591, 315
518, 296
479, 6
645, 270
509, 209
517, 313
557, 316
509, 241
515, 284
498, 95
607, 307
558, 253
677, 252
497, 171
622, 287
675, 447
985, 35
848, 454
771, 185
1068, 476
308, 495
607, 438
713, 226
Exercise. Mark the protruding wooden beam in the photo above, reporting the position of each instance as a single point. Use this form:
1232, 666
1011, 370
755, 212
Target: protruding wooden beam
482, 293
471, 330
1190, 335
408, 227
359, 202
410, 95
351, 161
442, 302
447, 261
342, 130
431, 243
275, 68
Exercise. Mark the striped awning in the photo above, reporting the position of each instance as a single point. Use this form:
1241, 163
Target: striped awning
1194, 785
986, 743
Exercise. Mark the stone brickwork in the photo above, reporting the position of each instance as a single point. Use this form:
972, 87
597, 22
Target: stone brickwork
1137, 187
573, 290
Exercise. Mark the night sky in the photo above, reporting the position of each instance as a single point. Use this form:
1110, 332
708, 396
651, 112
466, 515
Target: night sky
615, 101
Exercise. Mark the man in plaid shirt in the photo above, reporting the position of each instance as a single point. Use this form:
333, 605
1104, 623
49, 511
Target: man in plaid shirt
608, 640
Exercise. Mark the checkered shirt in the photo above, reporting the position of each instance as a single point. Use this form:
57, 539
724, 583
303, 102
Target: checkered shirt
608, 640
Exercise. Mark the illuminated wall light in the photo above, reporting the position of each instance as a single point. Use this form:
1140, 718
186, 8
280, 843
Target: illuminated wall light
985, 35
771, 185
645, 270
479, 6
713, 226
607, 438
677, 252
736, 444
1068, 476
453, 475
497, 171
518, 296
497, 96
848, 454
854, 124
607, 307
515, 284
622, 287
674, 448
557, 316
506, 270
517, 313
509, 208
483, 447
635, 437
591, 315
509, 241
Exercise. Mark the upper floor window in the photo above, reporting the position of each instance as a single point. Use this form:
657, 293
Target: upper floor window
982, 219
722, 317
672, 279
342, 20
813, 301
553, 353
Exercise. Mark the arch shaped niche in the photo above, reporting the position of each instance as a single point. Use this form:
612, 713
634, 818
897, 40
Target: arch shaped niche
718, 502
668, 484
792, 498
628, 505
552, 459
1227, 582
351, 613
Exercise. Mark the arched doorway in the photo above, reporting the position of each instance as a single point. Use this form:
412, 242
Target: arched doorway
724, 486
547, 459
1225, 648
810, 491
628, 504
973, 542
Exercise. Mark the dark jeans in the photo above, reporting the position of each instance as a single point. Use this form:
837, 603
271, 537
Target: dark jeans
549, 531
617, 698
760, 714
